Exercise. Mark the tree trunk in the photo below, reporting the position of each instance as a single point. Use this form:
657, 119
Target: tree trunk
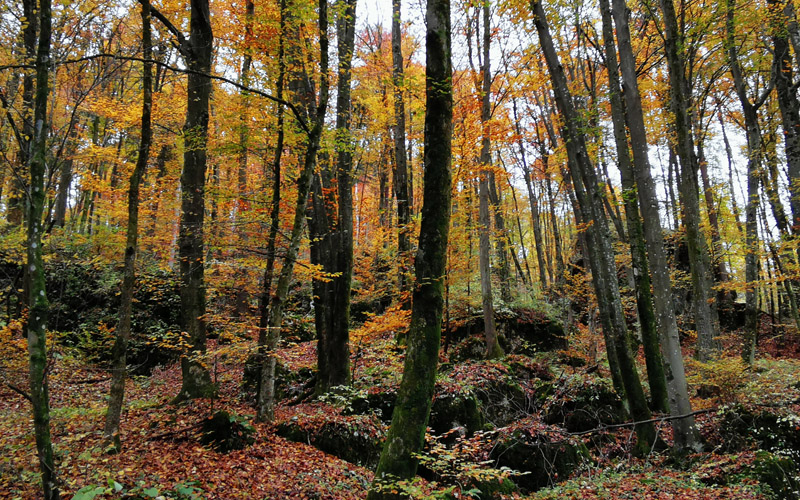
120, 350
790, 112
196, 380
415, 395
493, 349
639, 261
38, 305
265, 411
333, 243
274, 216
685, 433
533, 200
401, 180
753, 133
705, 307
600, 251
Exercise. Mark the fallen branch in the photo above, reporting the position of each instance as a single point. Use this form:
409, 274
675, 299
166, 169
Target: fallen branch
165, 435
20, 392
640, 422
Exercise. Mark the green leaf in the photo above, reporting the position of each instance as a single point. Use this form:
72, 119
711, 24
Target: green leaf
151, 492
88, 492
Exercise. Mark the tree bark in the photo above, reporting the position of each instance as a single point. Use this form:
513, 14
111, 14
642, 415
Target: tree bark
753, 133
600, 251
265, 411
415, 395
196, 380
493, 349
38, 305
685, 433
705, 307
332, 242
639, 261
120, 350
401, 180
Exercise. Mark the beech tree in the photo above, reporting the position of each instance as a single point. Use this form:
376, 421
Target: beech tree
415, 395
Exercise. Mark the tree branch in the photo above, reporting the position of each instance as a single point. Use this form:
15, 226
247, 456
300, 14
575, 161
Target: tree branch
298, 116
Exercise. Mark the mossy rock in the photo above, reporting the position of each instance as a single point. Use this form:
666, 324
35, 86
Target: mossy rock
452, 411
494, 488
521, 331
226, 432
529, 331
288, 384
473, 347
381, 404
780, 473
583, 407
503, 401
542, 461
350, 442
742, 428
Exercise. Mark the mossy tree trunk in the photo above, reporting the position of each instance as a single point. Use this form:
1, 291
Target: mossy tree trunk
415, 395
599, 249
640, 264
119, 353
331, 226
754, 151
265, 410
673, 369
38, 305
705, 307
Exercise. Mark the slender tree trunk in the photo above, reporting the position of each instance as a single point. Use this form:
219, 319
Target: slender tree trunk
38, 305
684, 431
401, 180
753, 133
415, 395
559, 255
196, 378
640, 264
266, 395
274, 216
119, 353
600, 251
493, 349
705, 307
532, 199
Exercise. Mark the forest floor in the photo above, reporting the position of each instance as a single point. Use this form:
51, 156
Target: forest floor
162, 455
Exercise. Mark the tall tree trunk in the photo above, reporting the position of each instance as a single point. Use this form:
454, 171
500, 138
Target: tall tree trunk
705, 307
333, 243
38, 305
415, 395
401, 180
600, 251
120, 350
265, 410
640, 264
274, 215
532, 199
559, 255
493, 349
242, 296
753, 133
790, 109
196, 380
684, 431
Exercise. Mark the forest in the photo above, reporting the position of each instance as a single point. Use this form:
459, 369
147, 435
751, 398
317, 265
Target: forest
313, 249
